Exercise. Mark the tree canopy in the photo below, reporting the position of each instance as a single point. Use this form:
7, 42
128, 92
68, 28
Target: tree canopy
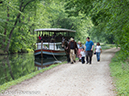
110, 19
103, 20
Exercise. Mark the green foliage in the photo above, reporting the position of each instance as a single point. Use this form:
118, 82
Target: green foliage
110, 19
104, 21
26, 16
107, 46
120, 72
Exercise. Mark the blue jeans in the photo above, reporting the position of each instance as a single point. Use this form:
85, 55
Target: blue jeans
83, 60
98, 56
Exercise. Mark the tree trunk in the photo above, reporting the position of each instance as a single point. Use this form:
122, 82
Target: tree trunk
9, 66
10, 35
21, 8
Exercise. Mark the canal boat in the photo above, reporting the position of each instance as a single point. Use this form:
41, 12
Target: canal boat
49, 41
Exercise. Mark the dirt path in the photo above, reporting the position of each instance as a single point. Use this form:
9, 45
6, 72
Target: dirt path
70, 80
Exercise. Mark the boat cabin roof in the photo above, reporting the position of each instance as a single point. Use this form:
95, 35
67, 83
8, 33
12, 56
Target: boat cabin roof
54, 30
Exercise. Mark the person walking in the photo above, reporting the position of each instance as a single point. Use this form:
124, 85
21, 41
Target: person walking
72, 46
82, 55
98, 50
80, 47
89, 50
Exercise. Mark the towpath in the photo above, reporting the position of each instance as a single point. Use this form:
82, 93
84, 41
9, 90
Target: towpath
71, 80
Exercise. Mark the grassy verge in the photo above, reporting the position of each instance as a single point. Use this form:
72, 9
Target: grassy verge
14, 82
120, 73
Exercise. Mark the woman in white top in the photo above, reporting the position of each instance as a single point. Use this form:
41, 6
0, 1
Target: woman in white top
98, 50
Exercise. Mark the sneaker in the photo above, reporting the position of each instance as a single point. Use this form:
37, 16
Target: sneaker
71, 62
86, 62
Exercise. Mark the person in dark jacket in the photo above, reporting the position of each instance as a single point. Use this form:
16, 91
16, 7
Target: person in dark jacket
72, 50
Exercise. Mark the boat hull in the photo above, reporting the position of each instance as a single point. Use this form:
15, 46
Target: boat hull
48, 52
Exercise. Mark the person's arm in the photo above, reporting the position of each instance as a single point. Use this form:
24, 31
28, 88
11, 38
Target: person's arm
95, 50
80, 54
76, 46
92, 47
85, 47
101, 50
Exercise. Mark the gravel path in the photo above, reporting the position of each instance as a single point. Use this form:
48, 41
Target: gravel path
70, 80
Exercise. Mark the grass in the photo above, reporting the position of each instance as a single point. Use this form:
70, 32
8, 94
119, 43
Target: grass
120, 73
23, 78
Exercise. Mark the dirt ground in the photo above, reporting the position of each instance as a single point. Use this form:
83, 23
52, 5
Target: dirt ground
70, 80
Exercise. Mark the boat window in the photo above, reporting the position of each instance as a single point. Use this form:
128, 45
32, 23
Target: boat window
59, 47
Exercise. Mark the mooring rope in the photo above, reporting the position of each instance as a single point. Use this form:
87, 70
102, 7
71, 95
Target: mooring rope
55, 56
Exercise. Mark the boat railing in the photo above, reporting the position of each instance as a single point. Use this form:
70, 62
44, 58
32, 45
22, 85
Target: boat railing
50, 46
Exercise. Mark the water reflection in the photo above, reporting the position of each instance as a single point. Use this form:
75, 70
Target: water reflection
42, 63
14, 66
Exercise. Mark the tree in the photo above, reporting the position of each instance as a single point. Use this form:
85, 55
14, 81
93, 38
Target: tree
110, 19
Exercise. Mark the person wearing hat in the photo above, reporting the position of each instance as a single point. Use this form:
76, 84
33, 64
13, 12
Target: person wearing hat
72, 46
89, 50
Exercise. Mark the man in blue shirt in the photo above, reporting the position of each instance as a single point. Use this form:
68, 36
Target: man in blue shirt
89, 50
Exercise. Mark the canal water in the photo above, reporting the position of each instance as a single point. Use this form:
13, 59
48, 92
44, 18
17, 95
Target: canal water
17, 65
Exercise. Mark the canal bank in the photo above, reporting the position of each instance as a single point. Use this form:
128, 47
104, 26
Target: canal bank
72, 79
15, 68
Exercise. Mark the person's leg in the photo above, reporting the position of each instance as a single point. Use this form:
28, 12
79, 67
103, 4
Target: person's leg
90, 56
78, 54
98, 56
90, 59
86, 57
74, 55
79, 50
83, 60
71, 56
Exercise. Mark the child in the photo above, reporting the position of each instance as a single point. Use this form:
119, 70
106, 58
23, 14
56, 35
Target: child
98, 50
82, 55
